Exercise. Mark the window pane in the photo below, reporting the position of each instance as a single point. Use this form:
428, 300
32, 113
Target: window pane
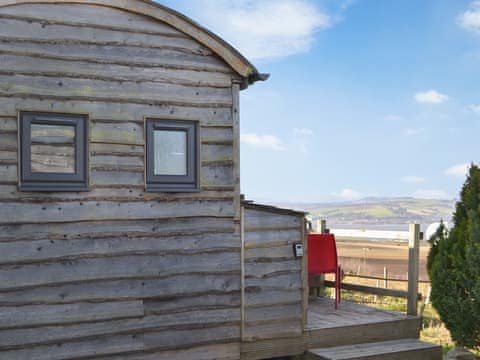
170, 152
53, 149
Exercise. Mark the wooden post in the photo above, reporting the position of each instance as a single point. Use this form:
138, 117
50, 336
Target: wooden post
242, 272
321, 226
306, 289
413, 259
321, 277
385, 277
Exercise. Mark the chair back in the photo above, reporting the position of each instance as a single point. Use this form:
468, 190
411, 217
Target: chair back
322, 253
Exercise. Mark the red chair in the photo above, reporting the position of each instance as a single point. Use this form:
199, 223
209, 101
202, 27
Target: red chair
322, 259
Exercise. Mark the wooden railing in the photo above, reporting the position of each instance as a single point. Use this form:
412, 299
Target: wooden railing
411, 294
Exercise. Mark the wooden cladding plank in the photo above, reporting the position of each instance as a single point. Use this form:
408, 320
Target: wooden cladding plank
265, 269
210, 175
17, 213
74, 350
218, 136
8, 173
216, 152
117, 55
84, 89
273, 253
117, 162
291, 328
258, 219
8, 124
129, 133
117, 133
199, 301
273, 348
47, 250
117, 111
31, 30
273, 313
11, 193
116, 178
111, 268
177, 286
85, 14
192, 337
168, 226
263, 297
31, 65
218, 351
217, 175
29, 316
99, 149
8, 141
59, 333
271, 238
291, 281
8, 157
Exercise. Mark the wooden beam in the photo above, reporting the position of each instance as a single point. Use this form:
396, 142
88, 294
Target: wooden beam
372, 290
413, 260
304, 274
242, 271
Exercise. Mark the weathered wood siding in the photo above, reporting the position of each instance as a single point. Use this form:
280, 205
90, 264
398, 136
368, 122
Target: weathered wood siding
273, 299
116, 271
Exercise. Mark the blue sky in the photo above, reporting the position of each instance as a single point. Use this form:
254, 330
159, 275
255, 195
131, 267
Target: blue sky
366, 98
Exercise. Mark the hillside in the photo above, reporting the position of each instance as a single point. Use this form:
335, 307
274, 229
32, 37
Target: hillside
377, 211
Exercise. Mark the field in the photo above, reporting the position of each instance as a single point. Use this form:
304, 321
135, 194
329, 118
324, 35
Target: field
369, 258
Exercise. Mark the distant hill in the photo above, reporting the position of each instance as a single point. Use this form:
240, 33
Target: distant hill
377, 211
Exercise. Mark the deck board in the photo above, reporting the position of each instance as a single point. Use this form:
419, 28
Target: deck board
322, 314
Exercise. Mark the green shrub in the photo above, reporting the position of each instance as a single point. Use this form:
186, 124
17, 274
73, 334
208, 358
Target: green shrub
454, 267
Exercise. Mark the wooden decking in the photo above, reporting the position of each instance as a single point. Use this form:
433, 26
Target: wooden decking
322, 314
354, 324
351, 324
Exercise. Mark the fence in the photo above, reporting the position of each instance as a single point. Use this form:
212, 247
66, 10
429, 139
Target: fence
412, 294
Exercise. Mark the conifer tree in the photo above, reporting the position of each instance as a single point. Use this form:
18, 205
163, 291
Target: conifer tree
454, 267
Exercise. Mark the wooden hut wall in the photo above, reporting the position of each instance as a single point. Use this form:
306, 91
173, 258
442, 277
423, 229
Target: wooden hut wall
274, 298
116, 271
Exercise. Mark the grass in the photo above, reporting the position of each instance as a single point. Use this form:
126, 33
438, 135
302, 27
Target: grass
433, 330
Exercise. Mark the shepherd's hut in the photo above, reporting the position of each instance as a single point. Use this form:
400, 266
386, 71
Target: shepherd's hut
123, 234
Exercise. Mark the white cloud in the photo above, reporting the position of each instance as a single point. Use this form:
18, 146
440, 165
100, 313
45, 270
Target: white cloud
350, 194
431, 194
262, 141
413, 179
470, 19
474, 108
303, 132
412, 131
263, 29
459, 170
302, 138
430, 97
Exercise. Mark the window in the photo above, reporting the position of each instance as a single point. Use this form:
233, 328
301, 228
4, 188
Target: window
53, 152
172, 156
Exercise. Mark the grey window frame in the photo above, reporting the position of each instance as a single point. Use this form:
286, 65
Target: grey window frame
173, 183
53, 182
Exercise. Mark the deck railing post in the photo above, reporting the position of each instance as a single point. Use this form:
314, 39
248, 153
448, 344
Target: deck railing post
385, 277
413, 266
321, 226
